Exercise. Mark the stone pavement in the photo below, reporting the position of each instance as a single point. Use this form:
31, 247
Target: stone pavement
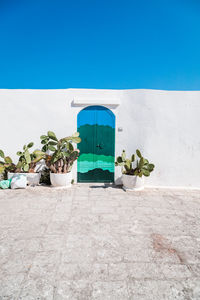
92, 242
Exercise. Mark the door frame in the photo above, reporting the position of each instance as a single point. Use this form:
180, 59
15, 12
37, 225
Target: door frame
115, 131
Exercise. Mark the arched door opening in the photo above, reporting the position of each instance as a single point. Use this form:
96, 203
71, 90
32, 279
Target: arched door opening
96, 163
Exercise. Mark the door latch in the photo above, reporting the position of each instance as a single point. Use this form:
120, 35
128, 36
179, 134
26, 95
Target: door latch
99, 146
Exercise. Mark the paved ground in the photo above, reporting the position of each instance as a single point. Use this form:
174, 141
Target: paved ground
99, 243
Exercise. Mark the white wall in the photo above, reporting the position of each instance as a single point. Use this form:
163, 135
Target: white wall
163, 124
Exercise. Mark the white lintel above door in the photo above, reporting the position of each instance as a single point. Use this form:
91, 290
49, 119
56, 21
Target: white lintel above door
83, 101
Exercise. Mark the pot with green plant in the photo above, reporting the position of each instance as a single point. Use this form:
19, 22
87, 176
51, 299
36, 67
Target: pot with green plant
6, 165
27, 164
60, 158
133, 170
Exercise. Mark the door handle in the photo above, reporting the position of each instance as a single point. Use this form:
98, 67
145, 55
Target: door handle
99, 146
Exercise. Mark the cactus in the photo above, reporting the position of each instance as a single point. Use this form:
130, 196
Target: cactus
6, 165
27, 161
125, 163
62, 151
143, 167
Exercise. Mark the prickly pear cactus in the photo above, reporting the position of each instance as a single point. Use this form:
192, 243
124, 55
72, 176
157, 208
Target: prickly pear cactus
6, 165
27, 161
143, 167
62, 153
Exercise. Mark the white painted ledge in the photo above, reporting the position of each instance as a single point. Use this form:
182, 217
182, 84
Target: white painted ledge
82, 101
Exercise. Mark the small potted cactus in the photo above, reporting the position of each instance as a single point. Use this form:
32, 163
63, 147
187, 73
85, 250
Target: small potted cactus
60, 158
133, 176
27, 164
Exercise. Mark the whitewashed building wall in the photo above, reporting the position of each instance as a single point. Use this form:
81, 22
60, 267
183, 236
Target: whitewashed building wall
164, 125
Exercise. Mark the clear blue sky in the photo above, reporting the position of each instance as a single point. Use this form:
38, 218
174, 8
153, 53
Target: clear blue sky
100, 44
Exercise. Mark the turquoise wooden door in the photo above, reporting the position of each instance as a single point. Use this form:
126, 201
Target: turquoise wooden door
96, 163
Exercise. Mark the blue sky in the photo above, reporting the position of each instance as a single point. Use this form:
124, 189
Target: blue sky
100, 44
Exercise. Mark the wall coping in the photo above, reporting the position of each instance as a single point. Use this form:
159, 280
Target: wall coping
92, 100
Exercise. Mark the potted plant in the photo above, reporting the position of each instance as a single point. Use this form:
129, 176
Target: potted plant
6, 165
27, 164
61, 157
133, 176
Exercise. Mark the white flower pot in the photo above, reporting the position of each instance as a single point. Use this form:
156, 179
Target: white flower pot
132, 183
61, 180
32, 178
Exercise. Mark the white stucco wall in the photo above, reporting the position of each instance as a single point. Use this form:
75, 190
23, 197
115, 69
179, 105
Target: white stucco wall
163, 124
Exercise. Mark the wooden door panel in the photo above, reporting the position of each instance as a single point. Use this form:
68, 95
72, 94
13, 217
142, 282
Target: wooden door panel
96, 125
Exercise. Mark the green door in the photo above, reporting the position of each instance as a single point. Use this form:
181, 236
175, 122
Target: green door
96, 163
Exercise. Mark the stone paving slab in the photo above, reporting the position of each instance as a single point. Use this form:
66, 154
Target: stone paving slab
98, 242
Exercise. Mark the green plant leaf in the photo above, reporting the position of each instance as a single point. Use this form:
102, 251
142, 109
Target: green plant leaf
127, 169
141, 163
52, 148
43, 142
123, 155
19, 153
2, 154
119, 164
54, 159
53, 143
76, 134
52, 135
66, 139
30, 145
27, 156
39, 152
43, 137
151, 167
119, 159
8, 160
37, 159
70, 147
19, 165
133, 158
145, 172
66, 154
44, 148
26, 168
139, 153
2, 169
76, 140
128, 165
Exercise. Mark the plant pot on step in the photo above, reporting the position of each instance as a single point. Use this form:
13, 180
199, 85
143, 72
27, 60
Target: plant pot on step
32, 178
134, 170
60, 158
132, 183
61, 179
